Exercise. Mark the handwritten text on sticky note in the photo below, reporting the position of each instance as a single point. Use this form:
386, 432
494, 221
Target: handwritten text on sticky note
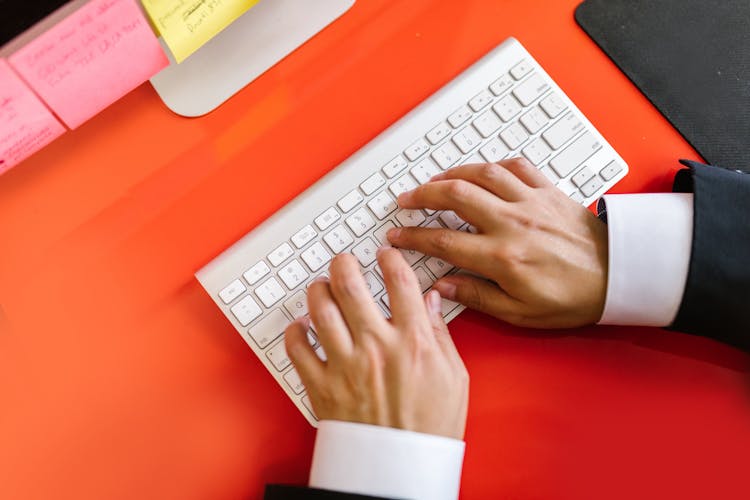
186, 25
26, 125
91, 59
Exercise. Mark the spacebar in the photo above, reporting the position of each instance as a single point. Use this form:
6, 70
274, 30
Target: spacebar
575, 154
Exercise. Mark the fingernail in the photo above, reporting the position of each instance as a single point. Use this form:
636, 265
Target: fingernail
304, 322
383, 248
320, 279
435, 304
437, 177
447, 289
394, 233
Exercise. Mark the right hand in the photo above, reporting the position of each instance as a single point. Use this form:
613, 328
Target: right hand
546, 255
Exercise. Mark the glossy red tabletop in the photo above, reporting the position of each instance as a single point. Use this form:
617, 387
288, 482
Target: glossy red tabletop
119, 378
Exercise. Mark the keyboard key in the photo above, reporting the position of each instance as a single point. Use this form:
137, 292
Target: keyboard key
297, 304
292, 378
270, 292
507, 107
550, 174
380, 233
494, 151
321, 354
373, 284
403, 184
393, 167
592, 186
531, 89
232, 291
502, 84
246, 310
338, 239
446, 155
277, 355
425, 170
410, 218
520, 70
514, 136
553, 105
438, 267
282, 253
351, 200
610, 171
255, 273
269, 328
535, 120
459, 117
424, 279
365, 252
537, 151
562, 131
467, 139
582, 176
308, 405
575, 154
480, 100
304, 236
451, 220
473, 158
293, 274
372, 184
487, 123
417, 149
577, 197
411, 256
360, 222
382, 205
311, 339
316, 257
448, 306
438, 133
327, 219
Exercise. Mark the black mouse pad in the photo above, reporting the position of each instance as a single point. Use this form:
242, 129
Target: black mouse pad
691, 59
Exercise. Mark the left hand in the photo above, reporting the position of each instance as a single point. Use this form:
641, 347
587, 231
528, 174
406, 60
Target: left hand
404, 372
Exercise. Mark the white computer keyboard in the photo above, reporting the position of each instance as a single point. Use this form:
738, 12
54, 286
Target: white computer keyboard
505, 105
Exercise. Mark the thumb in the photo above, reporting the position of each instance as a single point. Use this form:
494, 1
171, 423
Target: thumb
481, 295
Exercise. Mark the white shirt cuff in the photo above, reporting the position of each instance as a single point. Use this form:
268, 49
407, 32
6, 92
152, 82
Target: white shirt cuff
386, 462
650, 239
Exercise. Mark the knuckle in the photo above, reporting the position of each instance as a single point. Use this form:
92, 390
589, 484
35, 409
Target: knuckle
490, 172
402, 275
457, 189
443, 241
348, 285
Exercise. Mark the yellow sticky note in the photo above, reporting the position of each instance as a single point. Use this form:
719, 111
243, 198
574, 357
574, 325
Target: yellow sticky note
186, 25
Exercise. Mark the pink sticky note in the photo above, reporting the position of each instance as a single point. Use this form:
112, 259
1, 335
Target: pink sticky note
26, 125
91, 59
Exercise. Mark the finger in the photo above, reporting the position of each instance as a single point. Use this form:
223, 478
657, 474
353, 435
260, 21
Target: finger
528, 173
404, 293
309, 367
492, 177
472, 203
355, 302
330, 326
461, 249
481, 295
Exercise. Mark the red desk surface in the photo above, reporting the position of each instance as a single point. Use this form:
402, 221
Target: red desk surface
120, 379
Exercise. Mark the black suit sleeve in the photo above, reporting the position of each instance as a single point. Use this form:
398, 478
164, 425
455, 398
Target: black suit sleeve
716, 301
279, 492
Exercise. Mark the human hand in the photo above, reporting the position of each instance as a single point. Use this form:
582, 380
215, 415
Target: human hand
545, 254
404, 372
